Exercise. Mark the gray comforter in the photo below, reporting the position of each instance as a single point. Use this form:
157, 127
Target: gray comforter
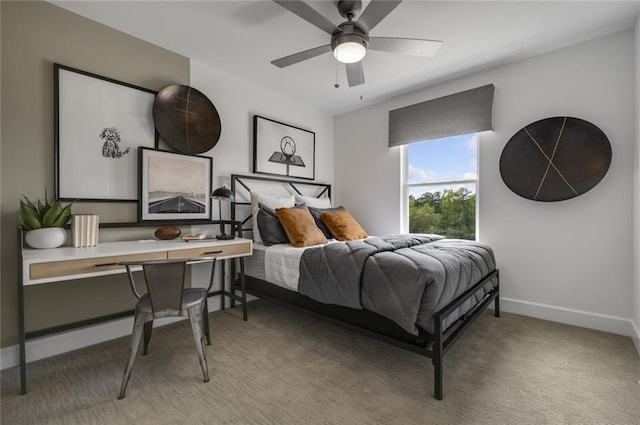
406, 278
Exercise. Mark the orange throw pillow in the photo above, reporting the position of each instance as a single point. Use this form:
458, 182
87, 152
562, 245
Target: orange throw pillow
300, 227
343, 226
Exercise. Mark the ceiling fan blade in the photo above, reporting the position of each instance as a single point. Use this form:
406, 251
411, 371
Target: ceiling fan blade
301, 56
405, 46
355, 74
376, 12
309, 14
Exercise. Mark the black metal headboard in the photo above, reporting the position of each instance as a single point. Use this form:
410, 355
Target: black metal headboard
241, 186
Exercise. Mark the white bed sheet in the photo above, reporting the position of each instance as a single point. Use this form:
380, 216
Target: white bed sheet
277, 264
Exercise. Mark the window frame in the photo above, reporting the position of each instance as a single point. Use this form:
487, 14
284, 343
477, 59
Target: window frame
406, 186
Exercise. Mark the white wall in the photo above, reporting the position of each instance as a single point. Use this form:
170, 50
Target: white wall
636, 191
568, 261
237, 101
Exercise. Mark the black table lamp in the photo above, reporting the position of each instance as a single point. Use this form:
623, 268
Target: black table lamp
222, 194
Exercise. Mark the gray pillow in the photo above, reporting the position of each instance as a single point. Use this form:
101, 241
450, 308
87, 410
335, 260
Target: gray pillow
316, 212
271, 231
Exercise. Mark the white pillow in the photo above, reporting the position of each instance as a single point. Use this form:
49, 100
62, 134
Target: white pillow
313, 202
270, 201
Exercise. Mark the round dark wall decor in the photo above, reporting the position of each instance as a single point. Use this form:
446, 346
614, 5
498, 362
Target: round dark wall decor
555, 159
186, 119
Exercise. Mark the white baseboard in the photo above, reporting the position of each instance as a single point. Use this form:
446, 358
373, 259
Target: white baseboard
40, 348
636, 336
585, 319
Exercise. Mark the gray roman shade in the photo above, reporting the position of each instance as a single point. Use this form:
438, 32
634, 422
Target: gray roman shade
460, 113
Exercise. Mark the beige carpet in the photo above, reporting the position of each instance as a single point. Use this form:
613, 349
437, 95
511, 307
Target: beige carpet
285, 367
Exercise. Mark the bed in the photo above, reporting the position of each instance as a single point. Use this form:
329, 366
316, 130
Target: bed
418, 292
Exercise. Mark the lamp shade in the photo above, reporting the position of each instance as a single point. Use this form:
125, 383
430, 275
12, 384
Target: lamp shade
222, 193
349, 52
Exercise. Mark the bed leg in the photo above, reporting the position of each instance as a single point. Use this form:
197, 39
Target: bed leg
437, 379
437, 359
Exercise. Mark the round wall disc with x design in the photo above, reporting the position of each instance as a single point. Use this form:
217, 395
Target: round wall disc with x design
555, 159
186, 119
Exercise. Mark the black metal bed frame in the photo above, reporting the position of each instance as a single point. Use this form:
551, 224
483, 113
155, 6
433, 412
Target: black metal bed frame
433, 345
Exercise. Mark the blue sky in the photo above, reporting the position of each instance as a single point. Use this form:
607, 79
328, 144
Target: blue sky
450, 158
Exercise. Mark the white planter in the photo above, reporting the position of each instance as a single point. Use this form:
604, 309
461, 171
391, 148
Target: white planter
49, 237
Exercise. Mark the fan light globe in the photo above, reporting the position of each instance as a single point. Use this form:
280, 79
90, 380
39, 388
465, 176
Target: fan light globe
349, 52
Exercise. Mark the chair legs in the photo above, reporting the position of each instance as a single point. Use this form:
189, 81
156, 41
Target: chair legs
138, 326
143, 323
148, 326
205, 321
196, 316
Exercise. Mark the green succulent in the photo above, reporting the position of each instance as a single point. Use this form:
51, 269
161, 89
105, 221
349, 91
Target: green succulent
47, 213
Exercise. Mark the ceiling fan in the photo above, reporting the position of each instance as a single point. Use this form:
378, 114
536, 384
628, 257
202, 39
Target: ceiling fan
350, 39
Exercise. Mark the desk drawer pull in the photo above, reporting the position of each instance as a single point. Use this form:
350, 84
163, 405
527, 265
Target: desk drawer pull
106, 264
213, 252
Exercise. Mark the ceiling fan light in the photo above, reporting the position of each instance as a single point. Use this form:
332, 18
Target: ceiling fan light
349, 52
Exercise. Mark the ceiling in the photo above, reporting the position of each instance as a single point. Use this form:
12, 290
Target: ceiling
240, 38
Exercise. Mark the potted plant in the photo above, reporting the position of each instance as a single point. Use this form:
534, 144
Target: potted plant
44, 221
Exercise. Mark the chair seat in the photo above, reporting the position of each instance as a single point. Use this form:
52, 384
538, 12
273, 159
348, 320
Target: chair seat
201, 291
190, 297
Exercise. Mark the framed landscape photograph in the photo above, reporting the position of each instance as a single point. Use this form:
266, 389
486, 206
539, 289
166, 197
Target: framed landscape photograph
283, 150
99, 125
173, 186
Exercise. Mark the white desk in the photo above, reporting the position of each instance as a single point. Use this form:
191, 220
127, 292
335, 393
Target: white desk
42, 266
67, 263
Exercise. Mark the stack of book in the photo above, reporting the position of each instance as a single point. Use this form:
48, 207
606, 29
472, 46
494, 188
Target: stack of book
195, 237
84, 229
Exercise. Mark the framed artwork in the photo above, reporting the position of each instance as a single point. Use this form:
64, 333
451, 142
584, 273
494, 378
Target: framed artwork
283, 150
173, 186
99, 125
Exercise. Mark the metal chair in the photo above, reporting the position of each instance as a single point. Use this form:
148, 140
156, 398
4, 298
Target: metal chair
167, 297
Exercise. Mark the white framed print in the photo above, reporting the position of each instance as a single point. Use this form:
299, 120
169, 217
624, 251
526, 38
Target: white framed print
173, 186
99, 125
283, 150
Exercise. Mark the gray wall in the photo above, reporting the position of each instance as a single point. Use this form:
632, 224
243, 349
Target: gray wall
569, 261
34, 35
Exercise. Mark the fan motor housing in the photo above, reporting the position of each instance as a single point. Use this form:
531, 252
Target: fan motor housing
350, 32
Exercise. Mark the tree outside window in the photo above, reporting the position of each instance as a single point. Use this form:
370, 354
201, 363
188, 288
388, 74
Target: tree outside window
440, 183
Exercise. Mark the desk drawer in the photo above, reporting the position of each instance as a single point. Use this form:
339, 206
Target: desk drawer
87, 265
212, 251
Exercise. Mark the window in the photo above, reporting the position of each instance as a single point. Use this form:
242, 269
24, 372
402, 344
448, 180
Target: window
441, 177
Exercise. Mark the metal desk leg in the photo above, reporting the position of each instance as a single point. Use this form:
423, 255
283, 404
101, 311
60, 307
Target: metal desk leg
232, 283
222, 283
243, 289
497, 299
21, 335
